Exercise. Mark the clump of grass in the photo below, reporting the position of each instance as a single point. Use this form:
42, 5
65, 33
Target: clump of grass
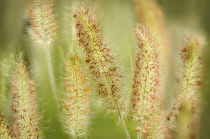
4, 130
146, 98
100, 60
24, 107
42, 21
185, 111
76, 103
147, 113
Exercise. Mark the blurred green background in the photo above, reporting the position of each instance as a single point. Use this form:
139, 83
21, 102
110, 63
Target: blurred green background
118, 20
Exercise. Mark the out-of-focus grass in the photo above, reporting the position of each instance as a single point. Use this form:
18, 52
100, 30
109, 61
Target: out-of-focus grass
205, 121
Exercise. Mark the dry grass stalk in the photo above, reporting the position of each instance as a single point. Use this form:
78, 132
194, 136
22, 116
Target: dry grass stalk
76, 103
25, 118
146, 98
42, 21
183, 120
100, 60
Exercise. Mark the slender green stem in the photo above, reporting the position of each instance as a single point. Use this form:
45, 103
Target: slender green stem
50, 73
130, 58
139, 132
123, 123
125, 128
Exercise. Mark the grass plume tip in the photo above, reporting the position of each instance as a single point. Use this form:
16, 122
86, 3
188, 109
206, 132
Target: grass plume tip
184, 115
146, 98
42, 21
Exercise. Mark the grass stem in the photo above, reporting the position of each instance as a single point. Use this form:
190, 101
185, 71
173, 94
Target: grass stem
50, 73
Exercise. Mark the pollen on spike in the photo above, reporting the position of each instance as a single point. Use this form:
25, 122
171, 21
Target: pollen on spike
75, 16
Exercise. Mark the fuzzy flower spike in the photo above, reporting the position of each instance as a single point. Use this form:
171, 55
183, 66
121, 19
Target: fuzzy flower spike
42, 21
25, 120
183, 119
76, 104
100, 60
146, 97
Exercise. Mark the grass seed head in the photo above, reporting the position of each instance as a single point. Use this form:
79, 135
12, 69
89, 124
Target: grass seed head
99, 59
25, 120
146, 98
76, 103
42, 21
183, 118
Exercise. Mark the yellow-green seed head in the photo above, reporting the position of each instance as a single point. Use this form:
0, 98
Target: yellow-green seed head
42, 21
183, 119
76, 103
146, 97
25, 120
